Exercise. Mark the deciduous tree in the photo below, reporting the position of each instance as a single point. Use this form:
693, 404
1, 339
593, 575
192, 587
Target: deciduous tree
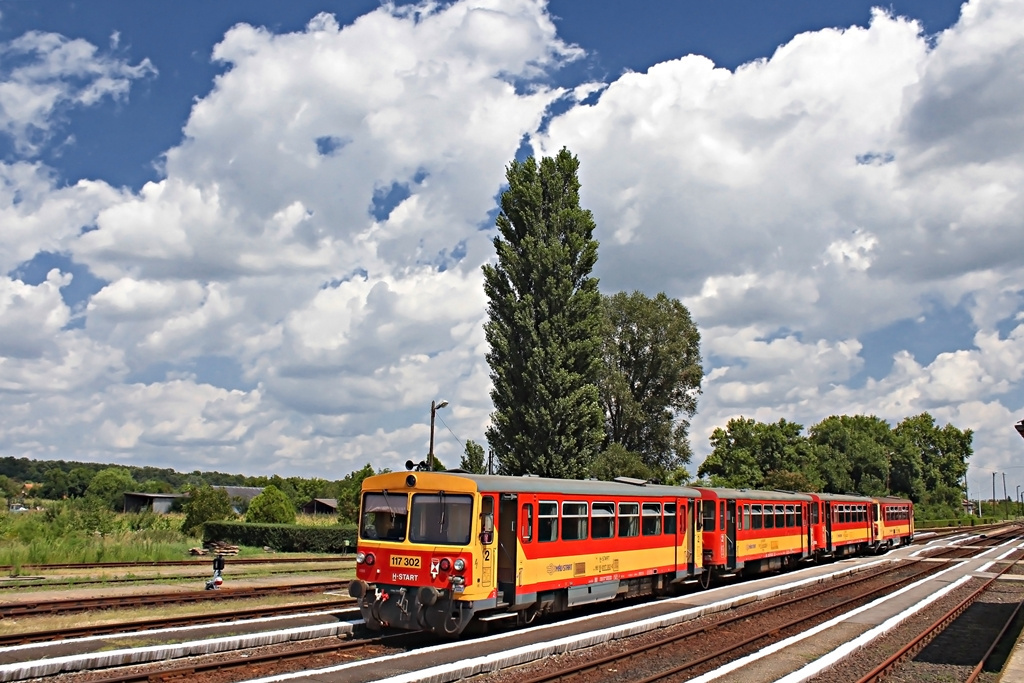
651, 377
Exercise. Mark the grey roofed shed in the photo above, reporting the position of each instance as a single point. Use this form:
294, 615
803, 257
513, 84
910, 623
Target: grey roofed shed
321, 506
135, 501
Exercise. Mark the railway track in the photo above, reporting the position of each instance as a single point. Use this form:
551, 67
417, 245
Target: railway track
7, 568
688, 649
263, 664
982, 634
70, 605
169, 622
73, 582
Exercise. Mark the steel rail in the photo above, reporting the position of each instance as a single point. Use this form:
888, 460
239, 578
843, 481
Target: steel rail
12, 609
248, 661
700, 631
168, 622
927, 635
174, 563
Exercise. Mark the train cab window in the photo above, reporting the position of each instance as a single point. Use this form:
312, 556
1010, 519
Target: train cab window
440, 518
651, 519
487, 520
384, 516
574, 521
780, 516
708, 514
526, 525
602, 520
746, 518
755, 517
670, 518
629, 520
547, 521
790, 516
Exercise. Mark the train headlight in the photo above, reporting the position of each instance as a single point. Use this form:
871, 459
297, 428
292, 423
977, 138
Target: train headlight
360, 557
460, 564
445, 564
369, 559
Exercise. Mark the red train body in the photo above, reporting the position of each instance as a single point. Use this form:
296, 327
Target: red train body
440, 550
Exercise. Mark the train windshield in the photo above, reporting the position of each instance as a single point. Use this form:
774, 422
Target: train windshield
440, 518
384, 516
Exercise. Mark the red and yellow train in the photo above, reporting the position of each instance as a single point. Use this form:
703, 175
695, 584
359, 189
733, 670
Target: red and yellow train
438, 551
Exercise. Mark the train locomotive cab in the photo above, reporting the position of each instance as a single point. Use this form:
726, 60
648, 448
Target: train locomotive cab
420, 552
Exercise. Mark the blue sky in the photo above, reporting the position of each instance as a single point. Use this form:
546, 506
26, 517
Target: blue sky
247, 236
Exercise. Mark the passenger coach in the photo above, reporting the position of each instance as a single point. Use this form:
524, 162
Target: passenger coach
439, 549
750, 532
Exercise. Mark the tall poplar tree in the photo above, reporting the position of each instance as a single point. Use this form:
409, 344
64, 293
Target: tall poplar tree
544, 324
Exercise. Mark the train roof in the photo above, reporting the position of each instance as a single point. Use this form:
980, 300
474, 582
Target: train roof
751, 494
893, 500
531, 484
844, 497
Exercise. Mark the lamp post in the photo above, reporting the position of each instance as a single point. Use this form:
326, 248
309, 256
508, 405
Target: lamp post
434, 407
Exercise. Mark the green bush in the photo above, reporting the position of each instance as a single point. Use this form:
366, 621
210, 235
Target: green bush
272, 506
205, 504
284, 537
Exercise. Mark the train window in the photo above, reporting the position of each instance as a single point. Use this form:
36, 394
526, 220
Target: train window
721, 515
814, 513
670, 518
602, 520
780, 516
800, 516
708, 514
790, 516
651, 519
547, 521
629, 520
444, 519
574, 521
746, 518
769, 517
755, 517
487, 520
384, 516
527, 523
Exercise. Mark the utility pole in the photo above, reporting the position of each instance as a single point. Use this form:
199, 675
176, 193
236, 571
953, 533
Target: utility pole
1006, 499
993, 491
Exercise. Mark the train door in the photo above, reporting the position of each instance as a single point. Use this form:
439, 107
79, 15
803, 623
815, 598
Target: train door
730, 532
691, 533
487, 541
828, 526
808, 527
876, 526
508, 513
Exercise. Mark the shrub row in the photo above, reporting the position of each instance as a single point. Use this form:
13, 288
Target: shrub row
284, 537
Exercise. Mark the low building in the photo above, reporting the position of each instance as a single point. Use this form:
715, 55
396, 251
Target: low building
135, 501
321, 506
